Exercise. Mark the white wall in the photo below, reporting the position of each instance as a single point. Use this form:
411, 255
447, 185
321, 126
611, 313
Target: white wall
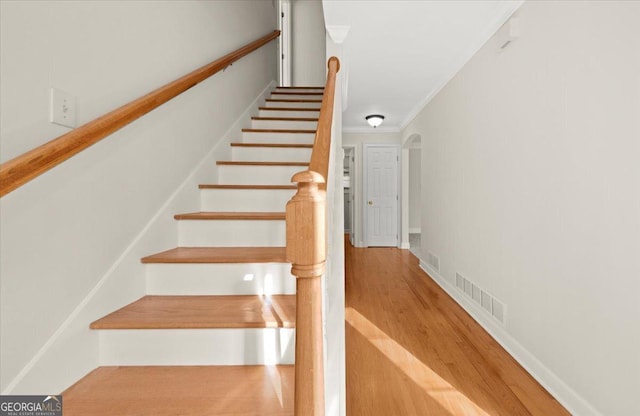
308, 43
531, 189
358, 140
415, 179
334, 285
71, 240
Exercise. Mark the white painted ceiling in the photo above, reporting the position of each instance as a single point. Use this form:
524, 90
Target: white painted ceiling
398, 54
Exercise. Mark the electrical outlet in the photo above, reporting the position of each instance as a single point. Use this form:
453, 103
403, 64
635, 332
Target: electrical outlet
62, 108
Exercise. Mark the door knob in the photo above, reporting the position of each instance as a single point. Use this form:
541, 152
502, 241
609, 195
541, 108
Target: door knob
370, 202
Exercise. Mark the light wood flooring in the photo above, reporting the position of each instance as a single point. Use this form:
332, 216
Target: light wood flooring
411, 350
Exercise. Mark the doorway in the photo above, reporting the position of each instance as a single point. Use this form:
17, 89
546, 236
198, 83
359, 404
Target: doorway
381, 195
411, 233
415, 181
284, 43
349, 185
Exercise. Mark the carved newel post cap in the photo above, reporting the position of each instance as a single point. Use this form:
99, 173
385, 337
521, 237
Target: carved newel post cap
307, 176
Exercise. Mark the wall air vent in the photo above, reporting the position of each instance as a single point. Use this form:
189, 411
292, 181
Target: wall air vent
487, 302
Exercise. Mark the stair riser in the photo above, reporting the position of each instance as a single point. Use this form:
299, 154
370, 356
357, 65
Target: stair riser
299, 89
289, 113
284, 124
276, 137
257, 175
246, 346
270, 154
295, 97
220, 279
243, 200
288, 104
231, 233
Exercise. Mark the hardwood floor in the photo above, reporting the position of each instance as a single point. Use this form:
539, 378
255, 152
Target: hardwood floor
411, 350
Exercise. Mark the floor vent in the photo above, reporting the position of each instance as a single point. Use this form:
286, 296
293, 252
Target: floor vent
488, 302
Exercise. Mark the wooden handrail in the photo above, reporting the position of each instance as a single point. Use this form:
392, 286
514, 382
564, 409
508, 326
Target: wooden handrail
307, 252
322, 143
20, 170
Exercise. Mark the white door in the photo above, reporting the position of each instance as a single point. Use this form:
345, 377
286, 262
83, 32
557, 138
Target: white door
382, 195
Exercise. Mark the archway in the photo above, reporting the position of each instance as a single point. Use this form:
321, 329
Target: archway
411, 190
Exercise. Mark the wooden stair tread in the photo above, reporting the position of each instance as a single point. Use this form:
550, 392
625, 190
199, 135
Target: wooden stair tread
286, 93
230, 216
190, 312
283, 145
220, 186
317, 110
219, 255
285, 118
278, 131
243, 163
182, 390
301, 88
292, 100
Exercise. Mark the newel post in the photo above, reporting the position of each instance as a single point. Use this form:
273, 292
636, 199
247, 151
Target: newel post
306, 251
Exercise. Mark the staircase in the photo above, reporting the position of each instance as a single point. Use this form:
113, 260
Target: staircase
215, 332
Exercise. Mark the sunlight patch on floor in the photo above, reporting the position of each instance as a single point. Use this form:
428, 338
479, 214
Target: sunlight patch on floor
427, 379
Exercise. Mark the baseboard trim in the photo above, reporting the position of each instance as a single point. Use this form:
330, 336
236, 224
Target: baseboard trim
571, 400
415, 230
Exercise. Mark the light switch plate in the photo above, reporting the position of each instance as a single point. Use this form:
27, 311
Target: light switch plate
62, 108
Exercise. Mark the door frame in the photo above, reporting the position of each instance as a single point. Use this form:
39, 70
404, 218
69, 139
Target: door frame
284, 43
355, 218
412, 141
365, 182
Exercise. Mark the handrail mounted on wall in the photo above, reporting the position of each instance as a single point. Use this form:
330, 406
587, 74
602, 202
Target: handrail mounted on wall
20, 170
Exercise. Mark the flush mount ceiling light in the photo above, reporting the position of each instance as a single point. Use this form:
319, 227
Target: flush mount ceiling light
374, 120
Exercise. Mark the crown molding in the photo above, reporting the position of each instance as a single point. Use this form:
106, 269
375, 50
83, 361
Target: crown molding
509, 7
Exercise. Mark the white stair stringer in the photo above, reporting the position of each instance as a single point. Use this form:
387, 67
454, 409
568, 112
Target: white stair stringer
271, 154
201, 346
245, 200
220, 279
257, 175
231, 233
